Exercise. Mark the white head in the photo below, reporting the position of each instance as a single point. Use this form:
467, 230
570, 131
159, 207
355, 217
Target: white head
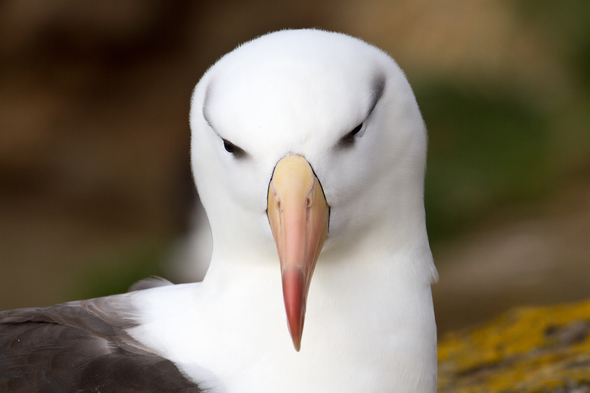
343, 105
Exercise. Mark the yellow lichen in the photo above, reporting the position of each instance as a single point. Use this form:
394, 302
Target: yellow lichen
524, 350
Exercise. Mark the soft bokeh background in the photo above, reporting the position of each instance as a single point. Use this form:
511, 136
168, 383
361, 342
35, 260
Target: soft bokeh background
95, 183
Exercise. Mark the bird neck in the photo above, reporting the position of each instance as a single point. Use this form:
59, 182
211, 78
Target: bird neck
369, 302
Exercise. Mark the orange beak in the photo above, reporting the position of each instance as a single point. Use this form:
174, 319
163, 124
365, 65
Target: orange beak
298, 214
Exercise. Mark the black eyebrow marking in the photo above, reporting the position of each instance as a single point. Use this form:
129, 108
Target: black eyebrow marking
378, 87
206, 103
348, 139
236, 151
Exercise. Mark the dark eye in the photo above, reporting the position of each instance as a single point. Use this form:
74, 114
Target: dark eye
233, 149
348, 139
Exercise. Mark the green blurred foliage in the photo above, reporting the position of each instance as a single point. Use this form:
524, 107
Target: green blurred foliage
485, 149
115, 273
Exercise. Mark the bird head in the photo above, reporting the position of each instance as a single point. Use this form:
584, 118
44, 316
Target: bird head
313, 141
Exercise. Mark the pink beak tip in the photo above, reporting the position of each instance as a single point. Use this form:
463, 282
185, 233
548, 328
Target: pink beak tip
294, 289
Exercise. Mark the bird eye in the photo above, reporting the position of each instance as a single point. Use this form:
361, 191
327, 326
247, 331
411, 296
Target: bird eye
233, 149
348, 139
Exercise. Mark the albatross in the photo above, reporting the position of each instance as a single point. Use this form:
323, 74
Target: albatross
308, 151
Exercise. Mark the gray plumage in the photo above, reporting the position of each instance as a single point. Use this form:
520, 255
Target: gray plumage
82, 347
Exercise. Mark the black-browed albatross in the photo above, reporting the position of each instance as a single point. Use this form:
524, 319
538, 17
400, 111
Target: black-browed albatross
298, 136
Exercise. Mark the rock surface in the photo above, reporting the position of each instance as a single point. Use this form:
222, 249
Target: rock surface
523, 350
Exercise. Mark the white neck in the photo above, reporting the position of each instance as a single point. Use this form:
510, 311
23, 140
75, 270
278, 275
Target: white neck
369, 326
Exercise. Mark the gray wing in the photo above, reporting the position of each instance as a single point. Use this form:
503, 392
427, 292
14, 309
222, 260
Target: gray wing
81, 347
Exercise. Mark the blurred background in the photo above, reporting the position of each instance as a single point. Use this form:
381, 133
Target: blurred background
95, 183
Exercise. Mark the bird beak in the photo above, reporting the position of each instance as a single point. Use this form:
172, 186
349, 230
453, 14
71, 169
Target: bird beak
298, 214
